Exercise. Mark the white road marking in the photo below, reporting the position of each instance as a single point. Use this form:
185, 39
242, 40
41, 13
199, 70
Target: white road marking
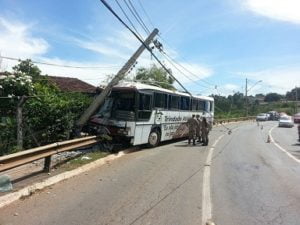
281, 148
206, 195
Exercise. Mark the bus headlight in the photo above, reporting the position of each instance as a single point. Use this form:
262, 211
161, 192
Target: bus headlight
123, 131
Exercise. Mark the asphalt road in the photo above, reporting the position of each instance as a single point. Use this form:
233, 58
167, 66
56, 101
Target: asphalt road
251, 182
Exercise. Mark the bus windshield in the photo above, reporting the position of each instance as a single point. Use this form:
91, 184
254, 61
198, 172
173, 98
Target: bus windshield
117, 104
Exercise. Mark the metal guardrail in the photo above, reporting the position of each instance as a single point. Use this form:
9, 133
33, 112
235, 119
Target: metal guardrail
228, 120
18, 159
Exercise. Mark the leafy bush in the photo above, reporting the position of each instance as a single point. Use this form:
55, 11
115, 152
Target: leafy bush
48, 113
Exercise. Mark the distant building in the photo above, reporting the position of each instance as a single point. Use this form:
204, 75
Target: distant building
70, 84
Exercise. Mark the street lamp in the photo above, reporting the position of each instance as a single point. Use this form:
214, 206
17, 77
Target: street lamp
246, 93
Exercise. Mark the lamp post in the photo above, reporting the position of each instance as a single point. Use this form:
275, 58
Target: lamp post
246, 93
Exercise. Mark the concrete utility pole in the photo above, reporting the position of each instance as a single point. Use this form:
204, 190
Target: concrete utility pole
20, 122
120, 75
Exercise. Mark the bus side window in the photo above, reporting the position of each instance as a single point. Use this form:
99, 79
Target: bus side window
201, 105
194, 104
173, 102
145, 106
185, 103
211, 106
160, 100
207, 106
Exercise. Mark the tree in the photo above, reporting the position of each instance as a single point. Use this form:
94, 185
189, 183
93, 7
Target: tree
48, 114
272, 97
155, 76
28, 68
291, 95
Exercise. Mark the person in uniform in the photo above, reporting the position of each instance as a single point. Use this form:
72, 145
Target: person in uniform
199, 125
192, 124
204, 131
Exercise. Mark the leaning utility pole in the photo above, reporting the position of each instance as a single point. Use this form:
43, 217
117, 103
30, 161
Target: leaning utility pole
246, 97
120, 75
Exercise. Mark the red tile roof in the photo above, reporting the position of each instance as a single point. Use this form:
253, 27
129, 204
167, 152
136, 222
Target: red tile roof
70, 84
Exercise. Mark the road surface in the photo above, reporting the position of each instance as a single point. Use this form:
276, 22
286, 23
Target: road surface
247, 181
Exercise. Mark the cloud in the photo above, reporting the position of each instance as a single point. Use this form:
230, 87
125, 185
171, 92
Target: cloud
16, 40
114, 48
231, 87
280, 79
104, 50
285, 10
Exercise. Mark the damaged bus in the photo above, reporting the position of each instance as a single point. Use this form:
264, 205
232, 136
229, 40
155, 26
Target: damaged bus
144, 114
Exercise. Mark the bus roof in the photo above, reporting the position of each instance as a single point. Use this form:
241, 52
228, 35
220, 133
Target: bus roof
141, 86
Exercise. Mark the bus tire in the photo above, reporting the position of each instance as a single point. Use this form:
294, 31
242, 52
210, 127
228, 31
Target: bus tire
154, 138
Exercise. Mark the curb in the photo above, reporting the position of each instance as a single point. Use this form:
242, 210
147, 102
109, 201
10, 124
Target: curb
29, 190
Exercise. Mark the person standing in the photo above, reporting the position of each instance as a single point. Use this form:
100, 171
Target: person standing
192, 125
199, 125
204, 131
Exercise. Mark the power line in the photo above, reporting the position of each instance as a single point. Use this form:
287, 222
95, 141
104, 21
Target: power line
129, 20
147, 15
174, 62
136, 18
189, 71
141, 41
137, 14
185, 75
60, 65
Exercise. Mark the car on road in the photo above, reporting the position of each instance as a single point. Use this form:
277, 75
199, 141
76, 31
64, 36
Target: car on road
273, 115
262, 117
297, 118
285, 121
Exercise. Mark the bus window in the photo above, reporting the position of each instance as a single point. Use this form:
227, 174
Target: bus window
185, 103
207, 106
201, 105
174, 103
160, 100
211, 106
194, 104
145, 106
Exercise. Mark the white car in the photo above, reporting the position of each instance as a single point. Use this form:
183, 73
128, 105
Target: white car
262, 117
286, 121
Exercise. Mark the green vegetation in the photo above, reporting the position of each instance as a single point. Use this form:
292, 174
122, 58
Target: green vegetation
234, 106
48, 113
155, 76
82, 160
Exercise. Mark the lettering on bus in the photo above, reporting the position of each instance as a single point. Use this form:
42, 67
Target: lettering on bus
175, 130
175, 119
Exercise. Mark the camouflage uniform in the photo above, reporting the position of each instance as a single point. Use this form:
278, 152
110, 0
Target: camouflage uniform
192, 124
204, 131
199, 126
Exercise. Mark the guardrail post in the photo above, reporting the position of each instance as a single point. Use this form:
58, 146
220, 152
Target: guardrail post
47, 164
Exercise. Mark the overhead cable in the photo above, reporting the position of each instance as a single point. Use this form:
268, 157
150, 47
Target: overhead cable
129, 20
136, 17
189, 71
141, 41
60, 65
145, 12
137, 14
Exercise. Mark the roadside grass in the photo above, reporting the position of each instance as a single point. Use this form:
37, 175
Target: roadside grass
83, 159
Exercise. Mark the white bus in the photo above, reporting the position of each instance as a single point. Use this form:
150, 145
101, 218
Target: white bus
146, 114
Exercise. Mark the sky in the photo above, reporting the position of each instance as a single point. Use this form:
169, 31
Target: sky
217, 43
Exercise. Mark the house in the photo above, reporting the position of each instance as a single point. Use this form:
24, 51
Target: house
71, 84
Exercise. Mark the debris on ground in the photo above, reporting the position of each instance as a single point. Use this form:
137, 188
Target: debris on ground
85, 158
5, 183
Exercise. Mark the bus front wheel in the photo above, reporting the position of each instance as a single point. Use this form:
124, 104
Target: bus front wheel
154, 138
